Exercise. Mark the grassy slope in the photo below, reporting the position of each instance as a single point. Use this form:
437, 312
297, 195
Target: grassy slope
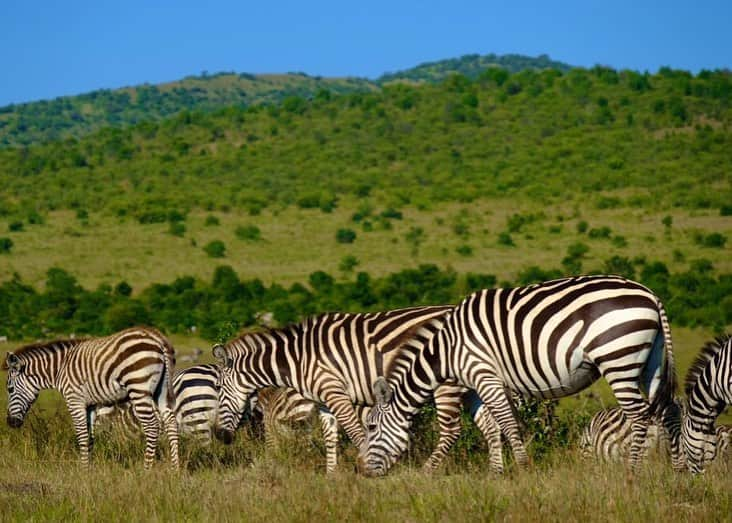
297, 242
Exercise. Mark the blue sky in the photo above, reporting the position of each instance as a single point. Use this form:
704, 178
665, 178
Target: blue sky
53, 48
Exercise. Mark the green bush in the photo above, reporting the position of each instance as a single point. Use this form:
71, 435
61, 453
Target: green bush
504, 238
464, 250
248, 233
715, 240
601, 232
177, 228
5, 245
15, 226
345, 236
215, 249
211, 221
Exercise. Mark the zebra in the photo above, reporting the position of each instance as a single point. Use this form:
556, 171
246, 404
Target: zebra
544, 340
609, 434
332, 359
135, 364
196, 389
708, 387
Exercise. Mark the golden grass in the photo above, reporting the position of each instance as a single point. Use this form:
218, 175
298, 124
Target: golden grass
297, 242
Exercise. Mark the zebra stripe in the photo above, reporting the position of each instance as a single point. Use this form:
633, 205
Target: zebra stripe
333, 359
135, 364
547, 340
708, 388
196, 389
609, 434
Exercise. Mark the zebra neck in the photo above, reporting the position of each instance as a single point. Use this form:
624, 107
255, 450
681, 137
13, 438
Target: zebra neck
417, 384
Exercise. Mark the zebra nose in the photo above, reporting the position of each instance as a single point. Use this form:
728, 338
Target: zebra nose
226, 436
14, 422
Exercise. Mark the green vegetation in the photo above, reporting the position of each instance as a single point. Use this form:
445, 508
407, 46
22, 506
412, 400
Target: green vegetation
460, 140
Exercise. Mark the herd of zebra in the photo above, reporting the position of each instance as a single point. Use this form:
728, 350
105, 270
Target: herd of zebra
369, 373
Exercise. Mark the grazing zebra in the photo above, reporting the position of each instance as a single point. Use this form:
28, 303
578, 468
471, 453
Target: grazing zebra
135, 364
609, 434
333, 359
545, 340
196, 389
708, 387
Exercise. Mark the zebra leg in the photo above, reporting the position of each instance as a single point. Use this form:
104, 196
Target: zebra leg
171, 431
79, 418
145, 412
329, 426
494, 398
492, 434
448, 399
337, 400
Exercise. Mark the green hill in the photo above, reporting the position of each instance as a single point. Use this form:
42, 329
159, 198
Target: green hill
472, 65
613, 138
76, 116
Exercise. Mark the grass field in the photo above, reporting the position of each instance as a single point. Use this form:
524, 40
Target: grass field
296, 242
42, 481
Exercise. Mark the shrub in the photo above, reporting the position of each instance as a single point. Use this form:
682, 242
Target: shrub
619, 241
348, 263
601, 232
35, 219
15, 226
464, 250
504, 238
582, 227
82, 214
345, 235
391, 213
177, 228
714, 239
215, 249
725, 210
248, 233
211, 221
5, 245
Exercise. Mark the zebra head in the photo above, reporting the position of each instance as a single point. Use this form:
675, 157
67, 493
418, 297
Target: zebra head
233, 396
23, 390
700, 443
386, 433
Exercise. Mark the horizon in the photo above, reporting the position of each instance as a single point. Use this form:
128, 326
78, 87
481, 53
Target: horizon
71, 49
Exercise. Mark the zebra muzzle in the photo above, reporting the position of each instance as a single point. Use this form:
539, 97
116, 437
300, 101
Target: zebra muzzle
225, 436
15, 422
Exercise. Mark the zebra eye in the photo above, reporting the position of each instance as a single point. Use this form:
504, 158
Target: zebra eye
372, 426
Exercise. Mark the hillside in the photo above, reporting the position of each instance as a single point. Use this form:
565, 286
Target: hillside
612, 138
76, 116
472, 65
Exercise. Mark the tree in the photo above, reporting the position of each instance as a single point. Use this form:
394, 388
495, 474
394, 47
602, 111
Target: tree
215, 249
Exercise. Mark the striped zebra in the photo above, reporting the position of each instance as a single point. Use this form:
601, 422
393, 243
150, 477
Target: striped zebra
196, 389
546, 340
609, 434
333, 359
135, 365
708, 387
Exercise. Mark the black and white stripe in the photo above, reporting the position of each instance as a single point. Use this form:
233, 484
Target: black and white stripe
609, 434
197, 389
134, 365
333, 359
547, 340
708, 387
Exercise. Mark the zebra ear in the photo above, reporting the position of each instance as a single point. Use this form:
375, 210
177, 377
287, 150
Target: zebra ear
382, 391
219, 352
13, 362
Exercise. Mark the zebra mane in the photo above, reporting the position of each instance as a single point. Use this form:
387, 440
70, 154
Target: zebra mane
709, 351
28, 351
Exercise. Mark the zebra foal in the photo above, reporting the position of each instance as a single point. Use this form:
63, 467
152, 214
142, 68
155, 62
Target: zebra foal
547, 340
133, 365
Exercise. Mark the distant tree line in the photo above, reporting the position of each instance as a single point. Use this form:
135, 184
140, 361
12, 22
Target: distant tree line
219, 308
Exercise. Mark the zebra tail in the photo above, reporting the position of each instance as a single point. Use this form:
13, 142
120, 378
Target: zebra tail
667, 389
169, 359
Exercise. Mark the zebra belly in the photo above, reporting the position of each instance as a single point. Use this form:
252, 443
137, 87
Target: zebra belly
580, 375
